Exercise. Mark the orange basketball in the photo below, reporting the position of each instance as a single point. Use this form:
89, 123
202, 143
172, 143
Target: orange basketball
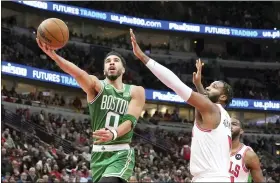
53, 32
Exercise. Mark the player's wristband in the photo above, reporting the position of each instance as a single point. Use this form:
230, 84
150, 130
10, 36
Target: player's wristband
114, 132
130, 118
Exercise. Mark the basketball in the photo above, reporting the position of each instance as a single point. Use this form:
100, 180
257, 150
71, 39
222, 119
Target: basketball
53, 32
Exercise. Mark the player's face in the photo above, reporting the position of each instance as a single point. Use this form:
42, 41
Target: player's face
236, 129
215, 91
113, 67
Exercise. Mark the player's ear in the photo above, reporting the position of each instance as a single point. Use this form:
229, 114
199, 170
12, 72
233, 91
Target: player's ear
223, 98
123, 70
241, 131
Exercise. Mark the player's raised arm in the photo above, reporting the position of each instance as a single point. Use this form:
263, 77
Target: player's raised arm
89, 83
252, 163
197, 77
200, 102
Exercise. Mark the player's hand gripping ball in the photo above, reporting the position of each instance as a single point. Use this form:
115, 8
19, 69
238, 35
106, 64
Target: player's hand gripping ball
53, 32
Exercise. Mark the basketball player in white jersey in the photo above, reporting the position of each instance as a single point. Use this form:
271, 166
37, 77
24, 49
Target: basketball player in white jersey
211, 141
244, 162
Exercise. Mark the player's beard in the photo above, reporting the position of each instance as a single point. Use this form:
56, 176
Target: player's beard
213, 98
113, 77
235, 134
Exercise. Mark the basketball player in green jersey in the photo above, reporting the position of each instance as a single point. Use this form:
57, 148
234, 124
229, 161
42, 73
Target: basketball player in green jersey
114, 109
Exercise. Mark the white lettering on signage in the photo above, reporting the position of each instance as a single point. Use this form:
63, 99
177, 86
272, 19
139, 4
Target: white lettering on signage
36, 4
41, 75
167, 97
19, 71
66, 9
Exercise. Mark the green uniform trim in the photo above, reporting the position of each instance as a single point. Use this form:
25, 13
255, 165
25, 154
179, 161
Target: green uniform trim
250, 178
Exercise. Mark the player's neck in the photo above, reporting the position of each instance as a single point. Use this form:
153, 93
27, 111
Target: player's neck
118, 84
236, 144
222, 104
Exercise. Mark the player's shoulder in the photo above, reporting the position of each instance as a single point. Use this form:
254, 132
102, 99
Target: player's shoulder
251, 158
137, 90
249, 153
96, 80
247, 148
94, 77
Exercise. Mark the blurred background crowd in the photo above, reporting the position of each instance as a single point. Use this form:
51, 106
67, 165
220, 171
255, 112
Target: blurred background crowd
46, 137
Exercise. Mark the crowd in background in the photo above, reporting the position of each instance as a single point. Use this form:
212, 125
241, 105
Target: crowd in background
75, 103
238, 14
92, 62
165, 158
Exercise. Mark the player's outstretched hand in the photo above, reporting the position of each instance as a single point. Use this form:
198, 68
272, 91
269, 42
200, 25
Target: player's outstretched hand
48, 50
102, 135
197, 75
136, 49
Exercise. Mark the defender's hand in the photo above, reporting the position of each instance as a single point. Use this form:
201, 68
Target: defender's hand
47, 49
102, 135
136, 49
197, 75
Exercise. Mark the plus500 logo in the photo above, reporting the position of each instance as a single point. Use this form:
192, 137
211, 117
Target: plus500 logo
167, 97
19, 71
36, 4
267, 105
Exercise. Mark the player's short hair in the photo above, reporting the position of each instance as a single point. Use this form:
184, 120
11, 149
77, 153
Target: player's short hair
228, 91
240, 122
118, 55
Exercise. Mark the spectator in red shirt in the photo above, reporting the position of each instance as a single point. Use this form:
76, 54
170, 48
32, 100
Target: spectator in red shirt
55, 172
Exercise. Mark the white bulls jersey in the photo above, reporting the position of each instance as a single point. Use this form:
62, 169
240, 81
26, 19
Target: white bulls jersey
237, 168
210, 151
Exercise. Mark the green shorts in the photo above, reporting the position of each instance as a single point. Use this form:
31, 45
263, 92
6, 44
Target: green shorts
112, 164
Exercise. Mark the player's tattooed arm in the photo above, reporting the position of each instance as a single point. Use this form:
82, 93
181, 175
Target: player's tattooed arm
90, 84
252, 163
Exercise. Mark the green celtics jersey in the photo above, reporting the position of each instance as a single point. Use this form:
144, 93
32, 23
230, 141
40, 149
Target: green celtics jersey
250, 178
108, 108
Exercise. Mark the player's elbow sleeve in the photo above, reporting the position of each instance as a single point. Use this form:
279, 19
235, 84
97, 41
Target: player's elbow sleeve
183, 91
170, 79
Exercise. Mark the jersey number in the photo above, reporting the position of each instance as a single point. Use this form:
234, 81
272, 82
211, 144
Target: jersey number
109, 117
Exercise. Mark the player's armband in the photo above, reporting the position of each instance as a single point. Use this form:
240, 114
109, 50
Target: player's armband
130, 118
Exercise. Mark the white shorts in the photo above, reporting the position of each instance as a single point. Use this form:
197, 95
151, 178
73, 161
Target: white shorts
211, 179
